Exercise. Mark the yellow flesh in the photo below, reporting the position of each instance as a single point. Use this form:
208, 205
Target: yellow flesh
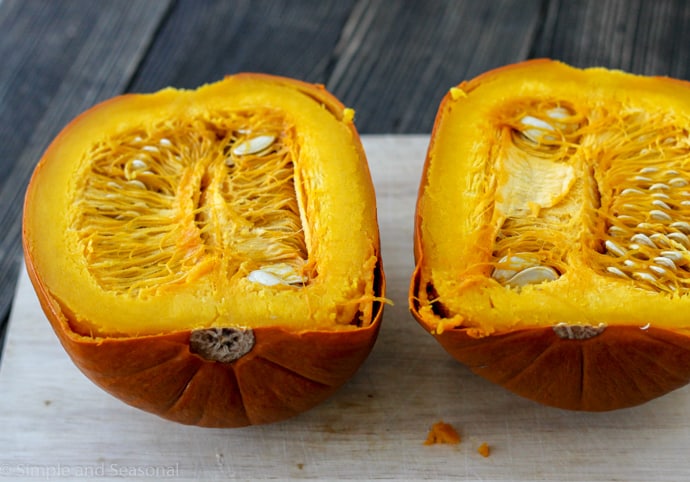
161, 224
583, 173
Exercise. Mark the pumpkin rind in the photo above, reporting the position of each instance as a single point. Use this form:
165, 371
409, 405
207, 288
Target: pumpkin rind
285, 374
288, 369
610, 350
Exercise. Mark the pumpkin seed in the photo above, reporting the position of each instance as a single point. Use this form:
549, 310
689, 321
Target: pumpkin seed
539, 127
681, 226
264, 278
661, 204
137, 184
616, 271
678, 182
617, 231
672, 255
659, 215
660, 240
253, 145
138, 164
510, 266
665, 261
644, 277
658, 270
648, 170
642, 179
531, 121
630, 190
643, 239
558, 113
680, 238
533, 275
277, 274
614, 248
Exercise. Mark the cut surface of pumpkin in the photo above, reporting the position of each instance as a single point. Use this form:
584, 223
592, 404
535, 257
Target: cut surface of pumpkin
578, 197
210, 255
178, 206
556, 197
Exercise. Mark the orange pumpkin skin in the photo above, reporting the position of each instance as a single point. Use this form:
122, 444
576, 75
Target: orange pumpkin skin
286, 372
563, 365
284, 375
621, 367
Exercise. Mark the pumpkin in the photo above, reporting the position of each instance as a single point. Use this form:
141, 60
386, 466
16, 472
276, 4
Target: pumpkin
211, 255
551, 235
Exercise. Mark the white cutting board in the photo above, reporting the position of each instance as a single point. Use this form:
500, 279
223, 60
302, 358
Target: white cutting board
56, 425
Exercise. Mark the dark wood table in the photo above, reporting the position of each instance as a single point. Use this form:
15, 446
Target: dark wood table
391, 60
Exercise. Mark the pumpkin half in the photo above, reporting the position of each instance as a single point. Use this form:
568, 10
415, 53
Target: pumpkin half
211, 256
551, 238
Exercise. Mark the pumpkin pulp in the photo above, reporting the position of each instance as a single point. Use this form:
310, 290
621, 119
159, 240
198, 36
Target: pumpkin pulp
153, 211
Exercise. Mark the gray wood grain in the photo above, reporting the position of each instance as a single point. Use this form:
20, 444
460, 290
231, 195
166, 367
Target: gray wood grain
86, 60
643, 37
390, 60
397, 59
203, 40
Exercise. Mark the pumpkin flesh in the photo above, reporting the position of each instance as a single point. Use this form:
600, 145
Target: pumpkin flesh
552, 220
222, 212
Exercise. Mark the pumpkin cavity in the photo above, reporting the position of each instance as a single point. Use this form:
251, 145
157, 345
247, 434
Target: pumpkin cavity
165, 204
608, 184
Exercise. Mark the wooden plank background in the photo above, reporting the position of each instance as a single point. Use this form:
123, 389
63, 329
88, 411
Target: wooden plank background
391, 60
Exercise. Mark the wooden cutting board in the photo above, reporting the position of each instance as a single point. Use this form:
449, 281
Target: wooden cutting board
56, 425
